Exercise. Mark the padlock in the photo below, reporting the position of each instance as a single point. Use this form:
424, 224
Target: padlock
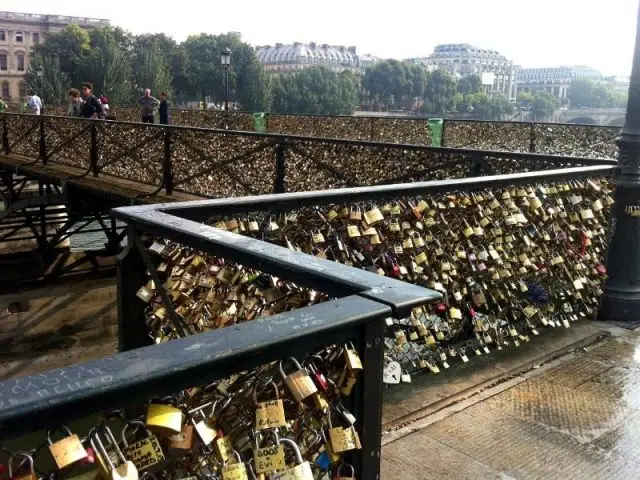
270, 458
30, 475
302, 469
126, 470
299, 382
343, 439
353, 359
341, 476
201, 425
269, 414
146, 453
181, 442
67, 451
166, 419
235, 471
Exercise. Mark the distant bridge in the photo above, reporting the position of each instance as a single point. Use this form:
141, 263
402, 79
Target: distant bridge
591, 116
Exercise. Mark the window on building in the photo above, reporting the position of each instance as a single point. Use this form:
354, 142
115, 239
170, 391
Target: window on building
5, 90
3, 36
19, 37
3, 62
36, 38
22, 88
20, 62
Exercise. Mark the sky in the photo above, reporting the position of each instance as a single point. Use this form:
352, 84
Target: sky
532, 33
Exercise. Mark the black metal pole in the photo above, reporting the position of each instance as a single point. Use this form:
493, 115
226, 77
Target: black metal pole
226, 88
5, 137
621, 297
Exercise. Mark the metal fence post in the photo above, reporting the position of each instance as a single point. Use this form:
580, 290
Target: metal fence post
621, 297
532, 138
475, 169
130, 274
442, 133
43, 145
5, 137
93, 151
166, 163
280, 185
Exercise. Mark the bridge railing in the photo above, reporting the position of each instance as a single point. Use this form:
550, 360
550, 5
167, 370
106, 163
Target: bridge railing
512, 255
225, 163
231, 368
594, 141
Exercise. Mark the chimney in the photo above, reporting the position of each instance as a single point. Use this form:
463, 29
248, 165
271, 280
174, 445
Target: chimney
352, 50
278, 45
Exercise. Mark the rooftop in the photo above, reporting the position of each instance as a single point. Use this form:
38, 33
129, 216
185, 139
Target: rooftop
55, 19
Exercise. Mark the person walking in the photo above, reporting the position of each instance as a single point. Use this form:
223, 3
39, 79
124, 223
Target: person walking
75, 103
163, 110
92, 108
35, 104
148, 105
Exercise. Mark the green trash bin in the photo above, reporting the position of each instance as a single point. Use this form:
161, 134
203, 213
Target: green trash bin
260, 122
435, 127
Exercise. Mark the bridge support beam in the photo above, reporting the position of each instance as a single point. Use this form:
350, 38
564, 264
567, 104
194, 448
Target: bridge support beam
621, 298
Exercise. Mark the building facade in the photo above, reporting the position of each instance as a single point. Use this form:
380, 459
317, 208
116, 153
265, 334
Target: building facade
297, 56
554, 80
19, 32
461, 59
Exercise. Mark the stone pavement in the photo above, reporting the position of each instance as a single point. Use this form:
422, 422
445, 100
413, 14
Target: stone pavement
577, 416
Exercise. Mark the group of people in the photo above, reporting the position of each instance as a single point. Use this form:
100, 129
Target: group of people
85, 104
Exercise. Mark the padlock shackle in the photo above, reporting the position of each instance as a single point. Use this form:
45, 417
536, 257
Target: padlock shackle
293, 360
255, 391
351, 470
259, 436
138, 424
296, 449
23, 454
61, 428
101, 450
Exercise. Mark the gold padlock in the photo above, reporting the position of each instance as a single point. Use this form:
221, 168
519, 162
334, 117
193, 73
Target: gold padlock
268, 459
126, 470
299, 382
68, 450
146, 453
235, 471
269, 414
166, 419
302, 469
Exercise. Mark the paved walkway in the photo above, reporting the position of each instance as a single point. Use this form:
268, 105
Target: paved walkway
575, 417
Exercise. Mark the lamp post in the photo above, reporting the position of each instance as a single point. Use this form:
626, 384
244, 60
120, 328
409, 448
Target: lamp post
225, 59
621, 297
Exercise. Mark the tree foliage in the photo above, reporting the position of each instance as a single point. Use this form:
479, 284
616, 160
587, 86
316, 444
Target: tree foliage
440, 92
543, 105
316, 90
589, 94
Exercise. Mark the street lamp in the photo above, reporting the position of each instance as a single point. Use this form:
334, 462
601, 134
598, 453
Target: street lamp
225, 59
621, 297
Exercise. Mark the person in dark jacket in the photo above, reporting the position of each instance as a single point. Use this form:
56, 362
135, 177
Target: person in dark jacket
163, 109
92, 107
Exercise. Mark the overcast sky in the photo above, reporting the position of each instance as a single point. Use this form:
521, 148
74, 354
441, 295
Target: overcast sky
532, 33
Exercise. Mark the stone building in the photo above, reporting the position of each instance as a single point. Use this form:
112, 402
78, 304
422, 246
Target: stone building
554, 80
19, 32
294, 57
461, 59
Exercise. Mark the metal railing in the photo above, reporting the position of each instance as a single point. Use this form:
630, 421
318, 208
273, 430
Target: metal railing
594, 141
544, 257
355, 310
225, 163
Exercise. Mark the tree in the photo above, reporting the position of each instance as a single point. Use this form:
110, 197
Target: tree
387, 82
543, 105
46, 79
525, 98
316, 90
440, 92
587, 93
470, 84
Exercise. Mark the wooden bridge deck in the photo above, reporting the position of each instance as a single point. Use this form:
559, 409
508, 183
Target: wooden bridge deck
127, 191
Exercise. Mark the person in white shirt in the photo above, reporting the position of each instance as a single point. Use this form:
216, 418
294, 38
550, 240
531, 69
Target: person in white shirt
35, 104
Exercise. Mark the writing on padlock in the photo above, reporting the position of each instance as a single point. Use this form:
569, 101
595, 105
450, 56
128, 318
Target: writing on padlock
269, 414
268, 458
299, 382
235, 471
145, 453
